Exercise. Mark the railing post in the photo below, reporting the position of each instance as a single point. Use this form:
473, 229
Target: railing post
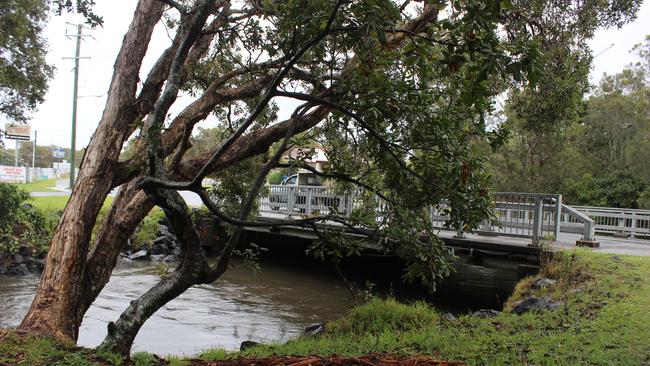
291, 198
537, 220
558, 215
460, 232
349, 204
308, 203
633, 224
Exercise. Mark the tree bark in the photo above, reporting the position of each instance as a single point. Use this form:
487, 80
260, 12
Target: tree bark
192, 269
54, 309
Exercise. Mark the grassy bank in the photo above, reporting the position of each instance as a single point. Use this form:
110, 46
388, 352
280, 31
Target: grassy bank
45, 185
59, 202
604, 319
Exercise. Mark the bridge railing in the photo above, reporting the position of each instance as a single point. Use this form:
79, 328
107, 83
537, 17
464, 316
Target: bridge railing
527, 215
583, 223
635, 223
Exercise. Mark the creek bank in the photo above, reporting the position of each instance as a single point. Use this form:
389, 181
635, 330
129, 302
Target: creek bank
603, 319
583, 308
165, 247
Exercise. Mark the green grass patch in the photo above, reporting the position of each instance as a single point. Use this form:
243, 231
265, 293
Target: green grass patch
59, 202
17, 348
44, 185
605, 320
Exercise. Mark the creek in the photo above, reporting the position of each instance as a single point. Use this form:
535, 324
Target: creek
274, 304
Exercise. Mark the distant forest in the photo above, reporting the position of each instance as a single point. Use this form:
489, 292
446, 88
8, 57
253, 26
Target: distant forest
598, 154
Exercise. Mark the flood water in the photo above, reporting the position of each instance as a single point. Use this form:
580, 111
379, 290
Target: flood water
274, 304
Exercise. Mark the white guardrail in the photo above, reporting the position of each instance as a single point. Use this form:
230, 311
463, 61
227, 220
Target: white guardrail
526, 215
608, 221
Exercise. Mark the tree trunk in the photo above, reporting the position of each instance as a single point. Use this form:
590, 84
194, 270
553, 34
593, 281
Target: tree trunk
192, 270
54, 309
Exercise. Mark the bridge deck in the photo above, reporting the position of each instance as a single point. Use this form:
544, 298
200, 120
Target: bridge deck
608, 244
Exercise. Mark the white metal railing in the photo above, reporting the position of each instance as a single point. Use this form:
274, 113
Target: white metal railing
635, 223
578, 220
527, 215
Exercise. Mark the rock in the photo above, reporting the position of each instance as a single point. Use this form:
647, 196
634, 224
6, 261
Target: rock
163, 239
159, 250
314, 330
246, 345
139, 255
18, 259
35, 265
157, 257
449, 317
176, 251
19, 270
542, 283
25, 250
486, 313
534, 304
171, 258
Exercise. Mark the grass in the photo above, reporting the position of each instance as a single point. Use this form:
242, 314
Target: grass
605, 320
59, 202
30, 349
44, 185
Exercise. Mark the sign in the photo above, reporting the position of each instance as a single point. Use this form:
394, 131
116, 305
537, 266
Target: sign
58, 153
13, 174
18, 132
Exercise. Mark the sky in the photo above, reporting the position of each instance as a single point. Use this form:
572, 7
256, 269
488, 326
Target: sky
53, 118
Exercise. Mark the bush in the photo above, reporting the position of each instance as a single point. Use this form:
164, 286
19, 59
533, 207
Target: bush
275, 177
11, 197
21, 225
147, 229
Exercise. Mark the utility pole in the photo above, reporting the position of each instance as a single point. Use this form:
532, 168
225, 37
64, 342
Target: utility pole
73, 134
16, 153
34, 155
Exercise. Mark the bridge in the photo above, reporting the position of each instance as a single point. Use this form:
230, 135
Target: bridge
524, 220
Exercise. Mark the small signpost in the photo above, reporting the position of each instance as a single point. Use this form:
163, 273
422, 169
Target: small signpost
18, 132
58, 153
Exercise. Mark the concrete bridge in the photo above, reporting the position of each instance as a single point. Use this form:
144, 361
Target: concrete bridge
524, 220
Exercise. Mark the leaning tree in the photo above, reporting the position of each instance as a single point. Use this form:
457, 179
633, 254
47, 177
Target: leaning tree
396, 92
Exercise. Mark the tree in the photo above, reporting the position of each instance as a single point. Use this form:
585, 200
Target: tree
23, 71
396, 93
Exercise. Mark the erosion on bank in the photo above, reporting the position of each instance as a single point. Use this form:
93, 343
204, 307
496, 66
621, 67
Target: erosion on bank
603, 319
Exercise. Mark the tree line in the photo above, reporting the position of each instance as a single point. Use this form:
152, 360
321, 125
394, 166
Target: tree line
598, 155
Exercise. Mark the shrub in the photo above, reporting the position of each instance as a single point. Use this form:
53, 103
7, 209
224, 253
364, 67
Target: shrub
21, 225
11, 197
147, 229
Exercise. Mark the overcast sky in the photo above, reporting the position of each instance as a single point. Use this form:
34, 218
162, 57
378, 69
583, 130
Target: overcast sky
53, 119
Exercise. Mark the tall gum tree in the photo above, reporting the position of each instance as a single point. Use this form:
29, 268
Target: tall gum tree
396, 93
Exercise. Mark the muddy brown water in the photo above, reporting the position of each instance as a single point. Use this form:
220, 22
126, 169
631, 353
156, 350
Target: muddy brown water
272, 305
